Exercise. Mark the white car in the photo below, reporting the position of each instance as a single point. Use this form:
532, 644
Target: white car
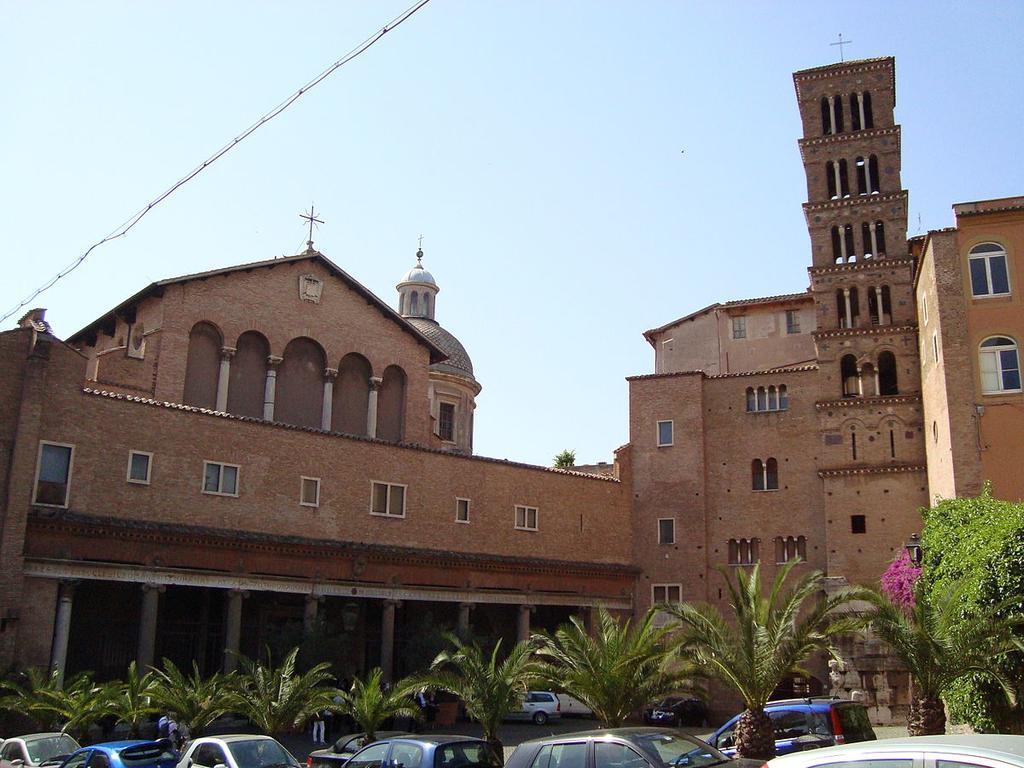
35, 749
237, 751
953, 751
538, 706
572, 707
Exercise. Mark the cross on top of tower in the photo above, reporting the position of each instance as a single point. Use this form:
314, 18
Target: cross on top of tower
841, 43
311, 218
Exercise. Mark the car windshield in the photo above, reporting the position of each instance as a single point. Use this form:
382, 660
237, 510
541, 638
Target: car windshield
260, 753
466, 754
668, 749
41, 750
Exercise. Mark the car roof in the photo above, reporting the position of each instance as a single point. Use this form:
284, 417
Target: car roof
34, 736
114, 746
230, 737
620, 733
432, 739
979, 744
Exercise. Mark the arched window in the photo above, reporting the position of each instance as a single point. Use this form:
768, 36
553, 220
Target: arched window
831, 179
844, 179
862, 175
837, 247
849, 376
744, 551
350, 407
873, 306
300, 384
841, 307
248, 380
851, 249
869, 120
773, 399
988, 270
762, 399
414, 304
869, 380
826, 117
838, 101
866, 240
874, 183
783, 398
771, 475
1000, 365
880, 237
757, 480
426, 304
202, 365
855, 121
788, 548
391, 405
886, 318
887, 384
751, 400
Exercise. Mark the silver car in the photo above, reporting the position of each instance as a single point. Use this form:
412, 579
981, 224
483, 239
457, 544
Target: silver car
35, 749
538, 706
953, 751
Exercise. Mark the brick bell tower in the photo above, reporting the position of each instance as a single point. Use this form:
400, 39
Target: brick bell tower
870, 453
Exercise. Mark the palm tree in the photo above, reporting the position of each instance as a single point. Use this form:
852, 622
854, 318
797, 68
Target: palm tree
72, 707
618, 669
939, 644
194, 700
280, 699
132, 700
369, 704
30, 687
490, 686
767, 638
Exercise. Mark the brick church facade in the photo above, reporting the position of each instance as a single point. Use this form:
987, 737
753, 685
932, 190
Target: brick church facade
269, 448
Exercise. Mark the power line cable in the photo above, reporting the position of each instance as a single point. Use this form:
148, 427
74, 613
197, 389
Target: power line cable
126, 226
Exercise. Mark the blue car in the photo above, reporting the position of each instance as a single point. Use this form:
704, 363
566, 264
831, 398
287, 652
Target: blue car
124, 754
802, 724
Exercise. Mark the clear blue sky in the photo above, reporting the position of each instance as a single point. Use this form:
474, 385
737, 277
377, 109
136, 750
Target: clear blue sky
537, 146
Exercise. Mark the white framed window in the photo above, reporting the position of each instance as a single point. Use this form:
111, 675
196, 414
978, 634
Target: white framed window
989, 277
792, 321
387, 499
671, 594
461, 510
526, 518
309, 491
924, 308
770, 398
53, 474
664, 433
140, 467
666, 530
744, 551
446, 421
739, 327
220, 479
1000, 365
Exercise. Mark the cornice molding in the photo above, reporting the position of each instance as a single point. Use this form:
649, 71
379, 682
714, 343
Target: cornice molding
895, 469
874, 330
866, 402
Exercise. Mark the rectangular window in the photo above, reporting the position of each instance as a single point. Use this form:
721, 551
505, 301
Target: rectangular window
666, 593
53, 474
664, 433
988, 275
462, 510
387, 499
667, 530
935, 346
792, 321
526, 518
446, 421
309, 491
924, 308
739, 327
140, 464
858, 524
220, 479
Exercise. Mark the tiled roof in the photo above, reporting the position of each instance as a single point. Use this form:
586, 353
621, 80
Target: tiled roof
683, 319
436, 354
458, 361
785, 297
279, 425
765, 371
46, 515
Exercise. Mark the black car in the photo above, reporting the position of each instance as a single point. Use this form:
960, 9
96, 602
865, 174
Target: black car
339, 753
677, 710
426, 752
622, 748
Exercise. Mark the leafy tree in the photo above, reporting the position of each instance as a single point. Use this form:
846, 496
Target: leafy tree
766, 638
195, 701
279, 699
490, 686
940, 643
369, 704
565, 459
618, 669
979, 541
131, 701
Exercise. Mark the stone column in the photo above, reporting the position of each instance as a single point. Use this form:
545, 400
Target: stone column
878, 387
873, 229
62, 628
832, 121
590, 620
882, 320
327, 410
309, 613
838, 177
233, 629
849, 310
226, 353
462, 627
387, 639
523, 623
145, 653
860, 108
842, 244
371, 406
860, 382
270, 387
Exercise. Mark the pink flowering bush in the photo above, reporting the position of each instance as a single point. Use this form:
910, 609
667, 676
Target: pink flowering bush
899, 579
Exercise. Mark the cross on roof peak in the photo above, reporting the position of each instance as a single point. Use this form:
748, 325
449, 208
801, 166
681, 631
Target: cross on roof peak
841, 43
311, 218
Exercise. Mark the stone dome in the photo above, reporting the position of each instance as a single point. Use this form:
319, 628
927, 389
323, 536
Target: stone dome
458, 362
418, 274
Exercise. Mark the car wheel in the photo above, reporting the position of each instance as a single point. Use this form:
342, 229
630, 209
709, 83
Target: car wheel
539, 718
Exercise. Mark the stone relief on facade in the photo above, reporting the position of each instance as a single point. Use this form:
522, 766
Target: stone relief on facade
310, 288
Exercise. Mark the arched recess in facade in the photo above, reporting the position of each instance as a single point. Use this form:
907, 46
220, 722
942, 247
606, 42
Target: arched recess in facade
351, 395
391, 404
202, 365
248, 377
300, 384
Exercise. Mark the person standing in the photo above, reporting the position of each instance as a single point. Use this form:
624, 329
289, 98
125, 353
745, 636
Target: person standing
318, 728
